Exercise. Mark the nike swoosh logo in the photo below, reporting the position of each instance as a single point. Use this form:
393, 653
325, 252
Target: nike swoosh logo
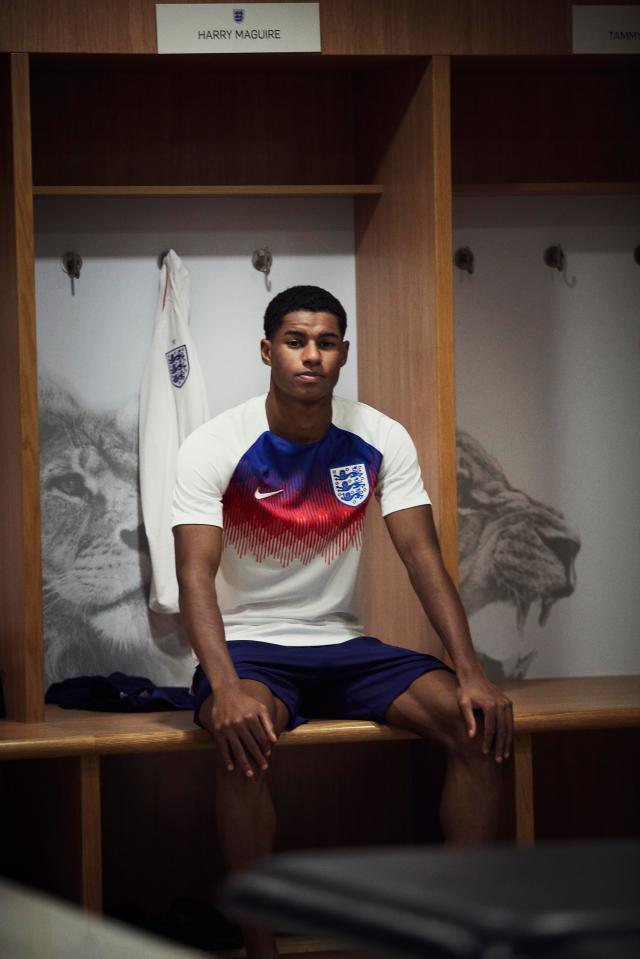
259, 495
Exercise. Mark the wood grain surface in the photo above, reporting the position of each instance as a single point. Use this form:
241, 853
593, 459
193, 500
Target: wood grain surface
225, 126
44, 842
33, 659
580, 702
523, 790
91, 833
347, 26
444, 319
397, 303
592, 702
21, 658
11, 585
576, 188
80, 732
519, 120
249, 190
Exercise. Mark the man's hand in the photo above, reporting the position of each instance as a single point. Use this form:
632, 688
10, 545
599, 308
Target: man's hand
242, 730
478, 693
414, 536
239, 724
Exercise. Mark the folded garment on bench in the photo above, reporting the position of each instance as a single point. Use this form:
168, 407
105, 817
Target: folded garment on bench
118, 693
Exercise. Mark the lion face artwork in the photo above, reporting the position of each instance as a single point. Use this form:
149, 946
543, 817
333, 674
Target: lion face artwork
513, 549
95, 561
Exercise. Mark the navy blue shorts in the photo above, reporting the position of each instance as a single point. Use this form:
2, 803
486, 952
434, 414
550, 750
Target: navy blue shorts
357, 679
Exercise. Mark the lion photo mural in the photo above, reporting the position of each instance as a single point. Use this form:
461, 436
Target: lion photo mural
95, 562
513, 549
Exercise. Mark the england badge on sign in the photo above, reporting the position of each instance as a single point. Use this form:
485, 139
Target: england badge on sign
178, 363
238, 15
350, 483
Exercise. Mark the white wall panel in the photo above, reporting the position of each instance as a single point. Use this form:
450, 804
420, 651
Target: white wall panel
548, 382
93, 346
97, 340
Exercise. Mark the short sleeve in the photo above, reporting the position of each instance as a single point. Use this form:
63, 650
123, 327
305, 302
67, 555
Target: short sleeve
199, 488
400, 483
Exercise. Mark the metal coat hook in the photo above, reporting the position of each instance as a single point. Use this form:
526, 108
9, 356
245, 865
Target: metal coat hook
554, 257
262, 260
72, 264
464, 259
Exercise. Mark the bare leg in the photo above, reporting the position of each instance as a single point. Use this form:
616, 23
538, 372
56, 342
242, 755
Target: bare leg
471, 798
246, 816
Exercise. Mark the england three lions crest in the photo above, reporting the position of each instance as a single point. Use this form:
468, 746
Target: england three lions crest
178, 363
350, 483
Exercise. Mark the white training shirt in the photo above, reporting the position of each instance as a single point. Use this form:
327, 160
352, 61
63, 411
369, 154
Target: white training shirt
293, 515
173, 401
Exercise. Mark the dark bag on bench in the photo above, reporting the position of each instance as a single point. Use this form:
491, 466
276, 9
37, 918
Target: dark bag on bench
118, 693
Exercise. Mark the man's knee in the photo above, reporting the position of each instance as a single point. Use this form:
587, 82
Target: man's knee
469, 747
453, 732
430, 706
278, 712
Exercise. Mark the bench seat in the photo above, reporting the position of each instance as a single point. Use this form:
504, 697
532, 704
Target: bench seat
540, 705
67, 732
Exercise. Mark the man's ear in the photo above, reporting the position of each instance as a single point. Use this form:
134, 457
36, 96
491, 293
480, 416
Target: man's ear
265, 352
345, 353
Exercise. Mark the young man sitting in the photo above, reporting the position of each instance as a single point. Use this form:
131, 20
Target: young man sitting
269, 603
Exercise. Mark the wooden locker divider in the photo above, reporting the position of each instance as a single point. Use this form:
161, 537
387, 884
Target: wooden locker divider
20, 575
523, 797
90, 839
444, 319
404, 310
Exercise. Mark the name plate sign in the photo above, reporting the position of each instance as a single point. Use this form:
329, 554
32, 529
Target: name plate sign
601, 29
236, 28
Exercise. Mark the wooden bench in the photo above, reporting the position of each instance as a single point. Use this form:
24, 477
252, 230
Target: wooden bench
540, 705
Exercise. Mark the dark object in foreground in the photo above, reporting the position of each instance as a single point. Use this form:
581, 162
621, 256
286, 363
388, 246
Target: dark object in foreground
562, 900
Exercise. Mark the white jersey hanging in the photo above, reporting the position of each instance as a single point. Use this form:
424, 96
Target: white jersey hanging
173, 402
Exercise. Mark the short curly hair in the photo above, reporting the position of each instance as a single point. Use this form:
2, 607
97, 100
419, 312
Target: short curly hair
311, 298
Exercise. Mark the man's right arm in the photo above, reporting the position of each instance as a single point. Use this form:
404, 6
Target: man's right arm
240, 725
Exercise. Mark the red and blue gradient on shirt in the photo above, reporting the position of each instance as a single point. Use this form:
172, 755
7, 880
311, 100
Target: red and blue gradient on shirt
297, 501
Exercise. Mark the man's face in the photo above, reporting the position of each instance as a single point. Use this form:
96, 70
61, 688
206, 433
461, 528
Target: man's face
306, 355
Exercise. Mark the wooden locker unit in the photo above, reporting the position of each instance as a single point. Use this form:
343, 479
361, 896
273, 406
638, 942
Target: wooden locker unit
145, 126
348, 27
405, 91
560, 126
294, 126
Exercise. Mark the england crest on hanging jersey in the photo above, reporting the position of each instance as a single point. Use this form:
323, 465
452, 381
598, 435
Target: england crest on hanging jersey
178, 363
350, 483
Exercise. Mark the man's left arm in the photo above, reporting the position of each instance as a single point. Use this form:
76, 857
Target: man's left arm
415, 538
